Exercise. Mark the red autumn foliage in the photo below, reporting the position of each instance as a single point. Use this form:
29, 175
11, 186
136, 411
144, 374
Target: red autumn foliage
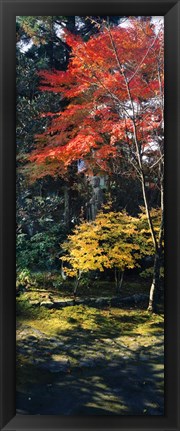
99, 119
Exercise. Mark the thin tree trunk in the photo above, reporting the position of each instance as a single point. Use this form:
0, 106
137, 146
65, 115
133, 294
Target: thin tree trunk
118, 279
76, 288
77, 285
115, 277
63, 275
154, 290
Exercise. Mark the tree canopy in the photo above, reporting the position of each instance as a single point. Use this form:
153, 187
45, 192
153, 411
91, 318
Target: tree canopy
114, 84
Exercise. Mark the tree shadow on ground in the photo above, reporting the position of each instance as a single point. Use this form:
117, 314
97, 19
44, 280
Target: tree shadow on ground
84, 372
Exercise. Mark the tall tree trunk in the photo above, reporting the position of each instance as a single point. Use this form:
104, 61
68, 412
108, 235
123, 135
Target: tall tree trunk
154, 290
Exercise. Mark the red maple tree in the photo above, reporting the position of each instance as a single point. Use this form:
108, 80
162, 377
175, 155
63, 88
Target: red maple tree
114, 88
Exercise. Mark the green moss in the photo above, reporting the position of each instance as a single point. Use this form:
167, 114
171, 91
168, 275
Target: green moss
91, 321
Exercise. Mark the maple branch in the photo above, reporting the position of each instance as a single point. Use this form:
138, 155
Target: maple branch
105, 88
135, 167
111, 94
115, 50
156, 163
142, 61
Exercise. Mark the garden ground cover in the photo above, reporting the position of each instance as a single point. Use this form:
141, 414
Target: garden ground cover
83, 360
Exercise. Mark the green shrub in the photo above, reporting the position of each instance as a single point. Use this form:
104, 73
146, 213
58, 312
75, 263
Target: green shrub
39, 252
24, 279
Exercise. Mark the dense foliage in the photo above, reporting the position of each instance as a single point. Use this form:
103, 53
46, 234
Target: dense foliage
90, 130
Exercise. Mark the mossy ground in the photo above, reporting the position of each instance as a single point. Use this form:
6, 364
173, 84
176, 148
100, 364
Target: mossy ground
107, 322
114, 357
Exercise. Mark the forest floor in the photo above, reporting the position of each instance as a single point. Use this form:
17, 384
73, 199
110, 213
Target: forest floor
84, 360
